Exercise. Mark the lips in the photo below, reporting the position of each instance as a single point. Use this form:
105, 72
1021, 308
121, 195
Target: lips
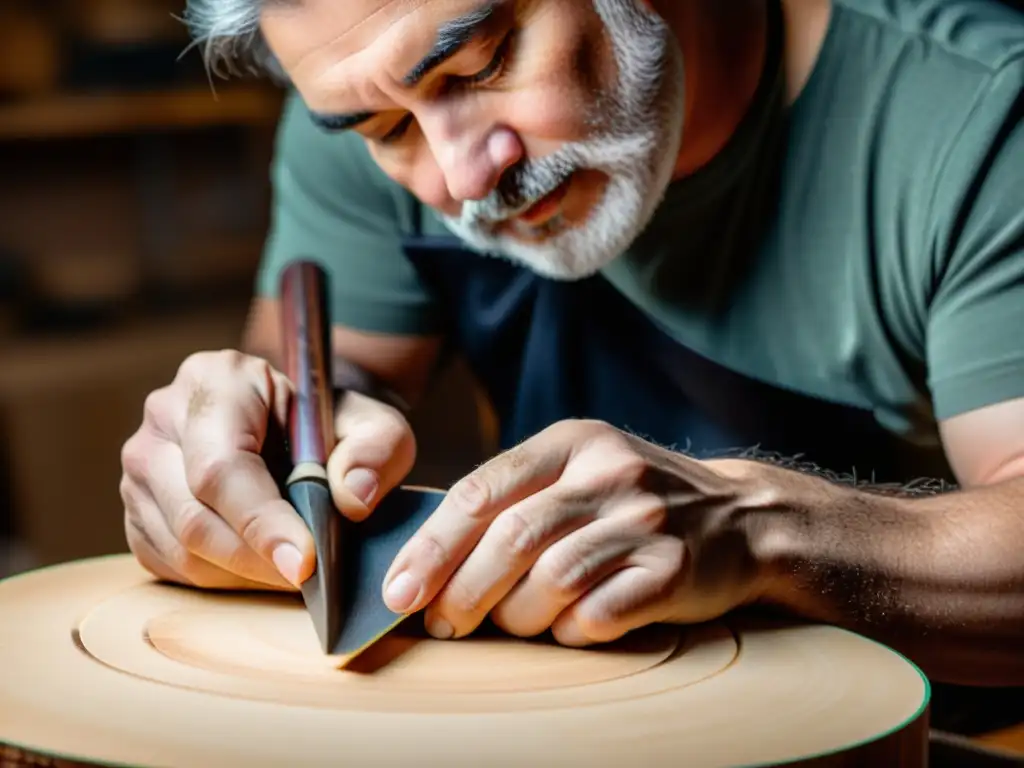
547, 207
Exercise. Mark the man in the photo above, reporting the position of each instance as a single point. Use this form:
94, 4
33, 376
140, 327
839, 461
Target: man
658, 230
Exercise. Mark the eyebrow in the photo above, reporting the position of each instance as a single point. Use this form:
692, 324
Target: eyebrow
451, 38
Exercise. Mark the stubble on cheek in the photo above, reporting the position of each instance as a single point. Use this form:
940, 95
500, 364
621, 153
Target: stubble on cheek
561, 73
595, 64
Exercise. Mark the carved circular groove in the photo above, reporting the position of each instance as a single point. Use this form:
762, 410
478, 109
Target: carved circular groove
265, 648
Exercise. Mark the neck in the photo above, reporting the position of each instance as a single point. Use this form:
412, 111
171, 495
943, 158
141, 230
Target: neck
724, 49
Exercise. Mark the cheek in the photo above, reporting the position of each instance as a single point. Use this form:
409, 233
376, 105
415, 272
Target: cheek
548, 115
559, 79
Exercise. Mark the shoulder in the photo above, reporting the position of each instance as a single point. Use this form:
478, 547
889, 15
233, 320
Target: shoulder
921, 98
978, 35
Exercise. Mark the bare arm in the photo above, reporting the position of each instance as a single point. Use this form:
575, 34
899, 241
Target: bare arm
403, 363
939, 577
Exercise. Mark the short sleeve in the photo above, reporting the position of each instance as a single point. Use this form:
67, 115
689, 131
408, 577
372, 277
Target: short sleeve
332, 204
975, 329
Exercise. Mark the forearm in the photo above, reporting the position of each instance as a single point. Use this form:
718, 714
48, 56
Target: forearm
940, 578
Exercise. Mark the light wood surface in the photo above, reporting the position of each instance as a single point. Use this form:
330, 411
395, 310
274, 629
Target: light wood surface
100, 664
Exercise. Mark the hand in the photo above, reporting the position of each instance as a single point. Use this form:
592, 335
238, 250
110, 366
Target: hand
201, 505
585, 530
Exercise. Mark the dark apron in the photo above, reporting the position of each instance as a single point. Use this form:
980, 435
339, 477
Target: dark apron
547, 350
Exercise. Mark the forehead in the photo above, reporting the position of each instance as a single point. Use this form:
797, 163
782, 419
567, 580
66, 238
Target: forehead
336, 39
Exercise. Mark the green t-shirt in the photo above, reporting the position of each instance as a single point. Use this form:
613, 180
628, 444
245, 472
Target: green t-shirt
867, 250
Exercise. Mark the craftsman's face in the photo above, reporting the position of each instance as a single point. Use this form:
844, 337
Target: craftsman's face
548, 135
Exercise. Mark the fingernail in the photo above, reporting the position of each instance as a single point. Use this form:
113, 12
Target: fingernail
288, 561
440, 629
363, 483
402, 592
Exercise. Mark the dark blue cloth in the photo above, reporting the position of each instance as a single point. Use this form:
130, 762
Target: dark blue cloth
548, 350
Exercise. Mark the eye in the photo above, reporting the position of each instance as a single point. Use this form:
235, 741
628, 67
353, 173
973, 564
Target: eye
398, 131
496, 67
488, 75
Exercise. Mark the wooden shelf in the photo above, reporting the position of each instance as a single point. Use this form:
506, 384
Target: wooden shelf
34, 366
95, 114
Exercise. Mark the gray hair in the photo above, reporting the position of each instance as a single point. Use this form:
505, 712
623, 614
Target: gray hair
228, 34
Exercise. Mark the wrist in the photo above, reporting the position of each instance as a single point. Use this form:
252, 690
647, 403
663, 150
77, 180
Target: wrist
816, 542
788, 520
767, 514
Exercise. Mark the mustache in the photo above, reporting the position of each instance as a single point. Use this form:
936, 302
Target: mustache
519, 188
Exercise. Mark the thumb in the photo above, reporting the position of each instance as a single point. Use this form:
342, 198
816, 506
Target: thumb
376, 450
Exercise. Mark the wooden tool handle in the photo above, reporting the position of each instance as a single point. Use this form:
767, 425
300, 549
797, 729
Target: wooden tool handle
306, 333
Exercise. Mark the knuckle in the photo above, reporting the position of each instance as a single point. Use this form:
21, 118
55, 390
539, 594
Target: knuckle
628, 468
207, 473
432, 550
568, 572
193, 365
674, 558
472, 494
598, 427
598, 619
581, 498
191, 527
158, 409
391, 427
560, 431
519, 537
154, 406
256, 369
583, 427
253, 530
199, 365
461, 598
236, 359
134, 458
382, 432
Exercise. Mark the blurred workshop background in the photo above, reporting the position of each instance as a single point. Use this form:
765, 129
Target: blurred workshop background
133, 206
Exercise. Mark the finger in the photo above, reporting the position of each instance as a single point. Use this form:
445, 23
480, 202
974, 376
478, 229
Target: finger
157, 550
141, 543
224, 471
375, 452
505, 553
431, 556
642, 593
576, 563
205, 534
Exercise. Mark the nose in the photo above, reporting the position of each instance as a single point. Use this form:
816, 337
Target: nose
472, 165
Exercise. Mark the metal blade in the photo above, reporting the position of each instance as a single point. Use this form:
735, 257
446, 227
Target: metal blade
323, 592
372, 548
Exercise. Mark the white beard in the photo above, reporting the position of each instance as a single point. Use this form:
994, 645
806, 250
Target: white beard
637, 150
